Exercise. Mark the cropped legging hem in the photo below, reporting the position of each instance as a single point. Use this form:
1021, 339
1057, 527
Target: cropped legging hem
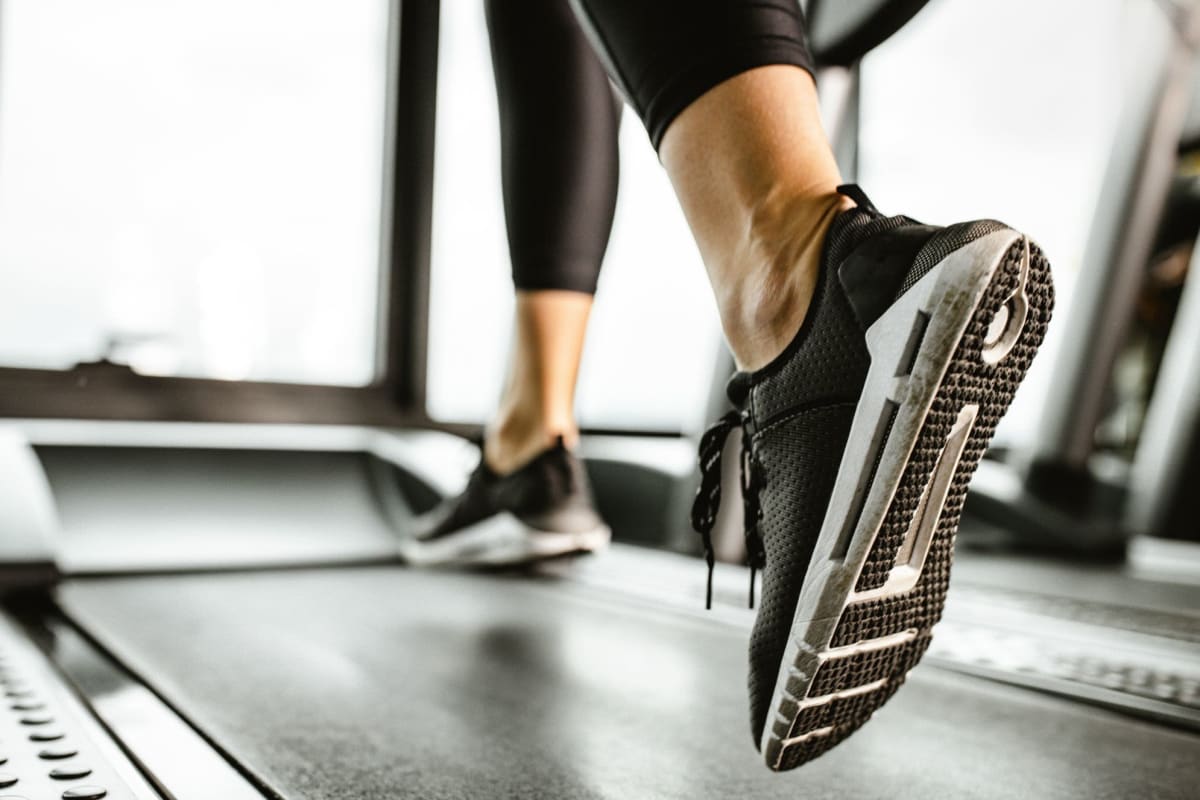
687, 86
554, 60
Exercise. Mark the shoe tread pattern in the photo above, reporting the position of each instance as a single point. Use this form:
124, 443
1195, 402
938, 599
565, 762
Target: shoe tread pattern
815, 726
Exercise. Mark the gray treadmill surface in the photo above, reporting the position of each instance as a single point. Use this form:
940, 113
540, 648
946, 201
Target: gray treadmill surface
385, 682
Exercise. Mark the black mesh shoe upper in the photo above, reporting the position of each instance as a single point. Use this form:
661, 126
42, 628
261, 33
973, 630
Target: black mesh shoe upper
549, 493
796, 414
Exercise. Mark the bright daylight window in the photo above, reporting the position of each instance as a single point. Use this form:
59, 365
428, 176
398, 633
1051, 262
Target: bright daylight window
192, 188
1004, 109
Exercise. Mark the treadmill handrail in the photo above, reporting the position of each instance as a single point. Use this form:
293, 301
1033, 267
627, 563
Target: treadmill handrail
846, 44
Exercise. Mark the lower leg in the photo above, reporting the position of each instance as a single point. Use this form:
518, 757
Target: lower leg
539, 396
757, 180
558, 133
725, 91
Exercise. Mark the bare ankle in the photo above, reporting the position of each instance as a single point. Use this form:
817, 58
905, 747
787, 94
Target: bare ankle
514, 439
768, 297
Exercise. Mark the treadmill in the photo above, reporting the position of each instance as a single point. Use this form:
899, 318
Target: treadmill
202, 605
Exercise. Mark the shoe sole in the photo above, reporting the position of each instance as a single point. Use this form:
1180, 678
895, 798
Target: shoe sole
946, 360
501, 540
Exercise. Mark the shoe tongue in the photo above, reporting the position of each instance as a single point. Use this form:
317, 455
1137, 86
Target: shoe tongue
855, 193
851, 228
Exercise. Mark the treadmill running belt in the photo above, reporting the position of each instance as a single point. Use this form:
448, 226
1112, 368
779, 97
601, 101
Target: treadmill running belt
387, 683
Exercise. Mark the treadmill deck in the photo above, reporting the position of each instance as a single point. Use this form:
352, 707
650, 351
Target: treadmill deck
382, 682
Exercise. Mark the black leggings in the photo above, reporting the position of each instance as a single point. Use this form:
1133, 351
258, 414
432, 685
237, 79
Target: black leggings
559, 116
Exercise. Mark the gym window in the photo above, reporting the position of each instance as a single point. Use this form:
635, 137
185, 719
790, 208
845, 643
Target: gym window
215, 216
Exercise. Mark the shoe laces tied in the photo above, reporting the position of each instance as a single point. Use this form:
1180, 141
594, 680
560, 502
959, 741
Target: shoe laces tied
708, 497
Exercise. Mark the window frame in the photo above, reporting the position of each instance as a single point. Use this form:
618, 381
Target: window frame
396, 396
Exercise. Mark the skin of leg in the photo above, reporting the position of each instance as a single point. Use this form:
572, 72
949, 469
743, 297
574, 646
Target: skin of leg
538, 402
756, 177
558, 128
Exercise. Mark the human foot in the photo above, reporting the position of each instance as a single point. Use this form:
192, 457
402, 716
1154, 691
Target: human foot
520, 433
542, 509
859, 441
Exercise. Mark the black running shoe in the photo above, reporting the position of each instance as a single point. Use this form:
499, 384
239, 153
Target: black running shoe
859, 441
541, 510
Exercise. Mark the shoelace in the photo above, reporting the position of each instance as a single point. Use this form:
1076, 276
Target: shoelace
708, 497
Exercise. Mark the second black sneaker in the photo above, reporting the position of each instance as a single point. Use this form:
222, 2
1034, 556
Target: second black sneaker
541, 510
859, 441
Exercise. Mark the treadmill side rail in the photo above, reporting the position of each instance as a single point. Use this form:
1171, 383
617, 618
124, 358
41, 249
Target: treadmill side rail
51, 742
28, 521
157, 739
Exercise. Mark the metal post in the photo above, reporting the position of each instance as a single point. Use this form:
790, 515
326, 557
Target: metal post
1059, 502
1157, 95
411, 207
841, 102
1172, 426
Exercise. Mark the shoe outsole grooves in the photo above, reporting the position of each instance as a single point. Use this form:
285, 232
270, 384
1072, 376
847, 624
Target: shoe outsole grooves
839, 670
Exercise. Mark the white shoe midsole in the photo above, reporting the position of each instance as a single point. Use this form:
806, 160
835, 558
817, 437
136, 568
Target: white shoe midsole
501, 539
900, 385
